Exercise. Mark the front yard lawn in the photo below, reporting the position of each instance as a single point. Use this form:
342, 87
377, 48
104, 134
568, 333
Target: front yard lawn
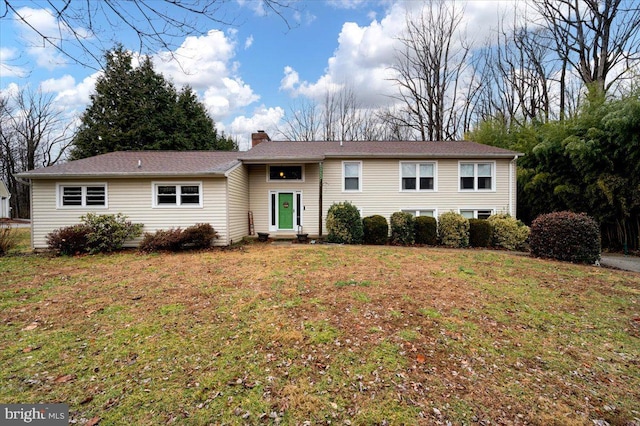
264, 334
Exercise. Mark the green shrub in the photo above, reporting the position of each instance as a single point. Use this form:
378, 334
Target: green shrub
480, 232
376, 230
109, 232
199, 236
426, 230
453, 230
573, 237
402, 228
344, 224
162, 240
508, 232
70, 240
8, 239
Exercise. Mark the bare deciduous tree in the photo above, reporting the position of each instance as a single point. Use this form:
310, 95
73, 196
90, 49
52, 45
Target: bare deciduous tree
33, 133
516, 76
600, 39
429, 66
158, 24
339, 117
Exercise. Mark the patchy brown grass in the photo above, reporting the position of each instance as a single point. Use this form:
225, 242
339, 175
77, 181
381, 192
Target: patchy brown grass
362, 335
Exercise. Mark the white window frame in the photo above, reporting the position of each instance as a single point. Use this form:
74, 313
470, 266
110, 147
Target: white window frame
475, 176
476, 210
418, 211
417, 165
178, 204
359, 163
83, 185
285, 180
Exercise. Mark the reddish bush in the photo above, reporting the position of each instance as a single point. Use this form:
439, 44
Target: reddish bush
573, 237
70, 240
198, 236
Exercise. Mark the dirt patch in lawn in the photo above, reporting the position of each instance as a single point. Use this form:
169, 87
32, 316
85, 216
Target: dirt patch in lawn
322, 334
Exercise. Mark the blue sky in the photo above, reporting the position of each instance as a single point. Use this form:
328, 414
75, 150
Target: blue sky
250, 74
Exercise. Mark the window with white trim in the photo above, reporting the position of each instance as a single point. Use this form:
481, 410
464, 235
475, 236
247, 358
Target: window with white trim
477, 176
76, 195
286, 172
419, 212
476, 214
177, 195
351, 176
417, 176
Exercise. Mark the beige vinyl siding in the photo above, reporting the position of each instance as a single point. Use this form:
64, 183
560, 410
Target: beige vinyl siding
133, 198
380, 188
238, 203
259, 197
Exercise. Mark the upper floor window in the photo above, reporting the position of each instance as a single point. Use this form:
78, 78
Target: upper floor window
477, 176
75, 195
285, 173
352, 175
175, 195
417, 176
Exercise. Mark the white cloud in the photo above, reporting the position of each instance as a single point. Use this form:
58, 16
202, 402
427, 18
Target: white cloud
360, 62
263, 118
248, 42
364, 55
8, 61
73, 97
65, 82
10, 91
42, 45
199, 60
290, 79
346, 4
206, 64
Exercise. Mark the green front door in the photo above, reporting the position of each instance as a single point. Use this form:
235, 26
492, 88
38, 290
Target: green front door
285, 210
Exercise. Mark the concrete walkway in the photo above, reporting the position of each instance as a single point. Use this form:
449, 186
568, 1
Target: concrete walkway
620, 261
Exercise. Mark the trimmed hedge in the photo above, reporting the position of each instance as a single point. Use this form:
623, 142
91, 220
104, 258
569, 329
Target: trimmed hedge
376, 230
567, 236
426, 230
480, 233
508, 232
453, 230
344, 225
402, 229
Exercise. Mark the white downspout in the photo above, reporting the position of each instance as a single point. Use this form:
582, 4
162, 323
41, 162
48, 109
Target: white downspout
512, 166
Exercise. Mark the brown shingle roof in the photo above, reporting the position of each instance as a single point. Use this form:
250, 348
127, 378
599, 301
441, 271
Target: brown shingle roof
317, 151
142, 163
197, 163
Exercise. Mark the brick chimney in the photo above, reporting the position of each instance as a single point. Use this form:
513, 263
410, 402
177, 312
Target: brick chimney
259, 136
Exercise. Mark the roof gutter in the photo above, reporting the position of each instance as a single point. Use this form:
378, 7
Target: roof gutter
113, 175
